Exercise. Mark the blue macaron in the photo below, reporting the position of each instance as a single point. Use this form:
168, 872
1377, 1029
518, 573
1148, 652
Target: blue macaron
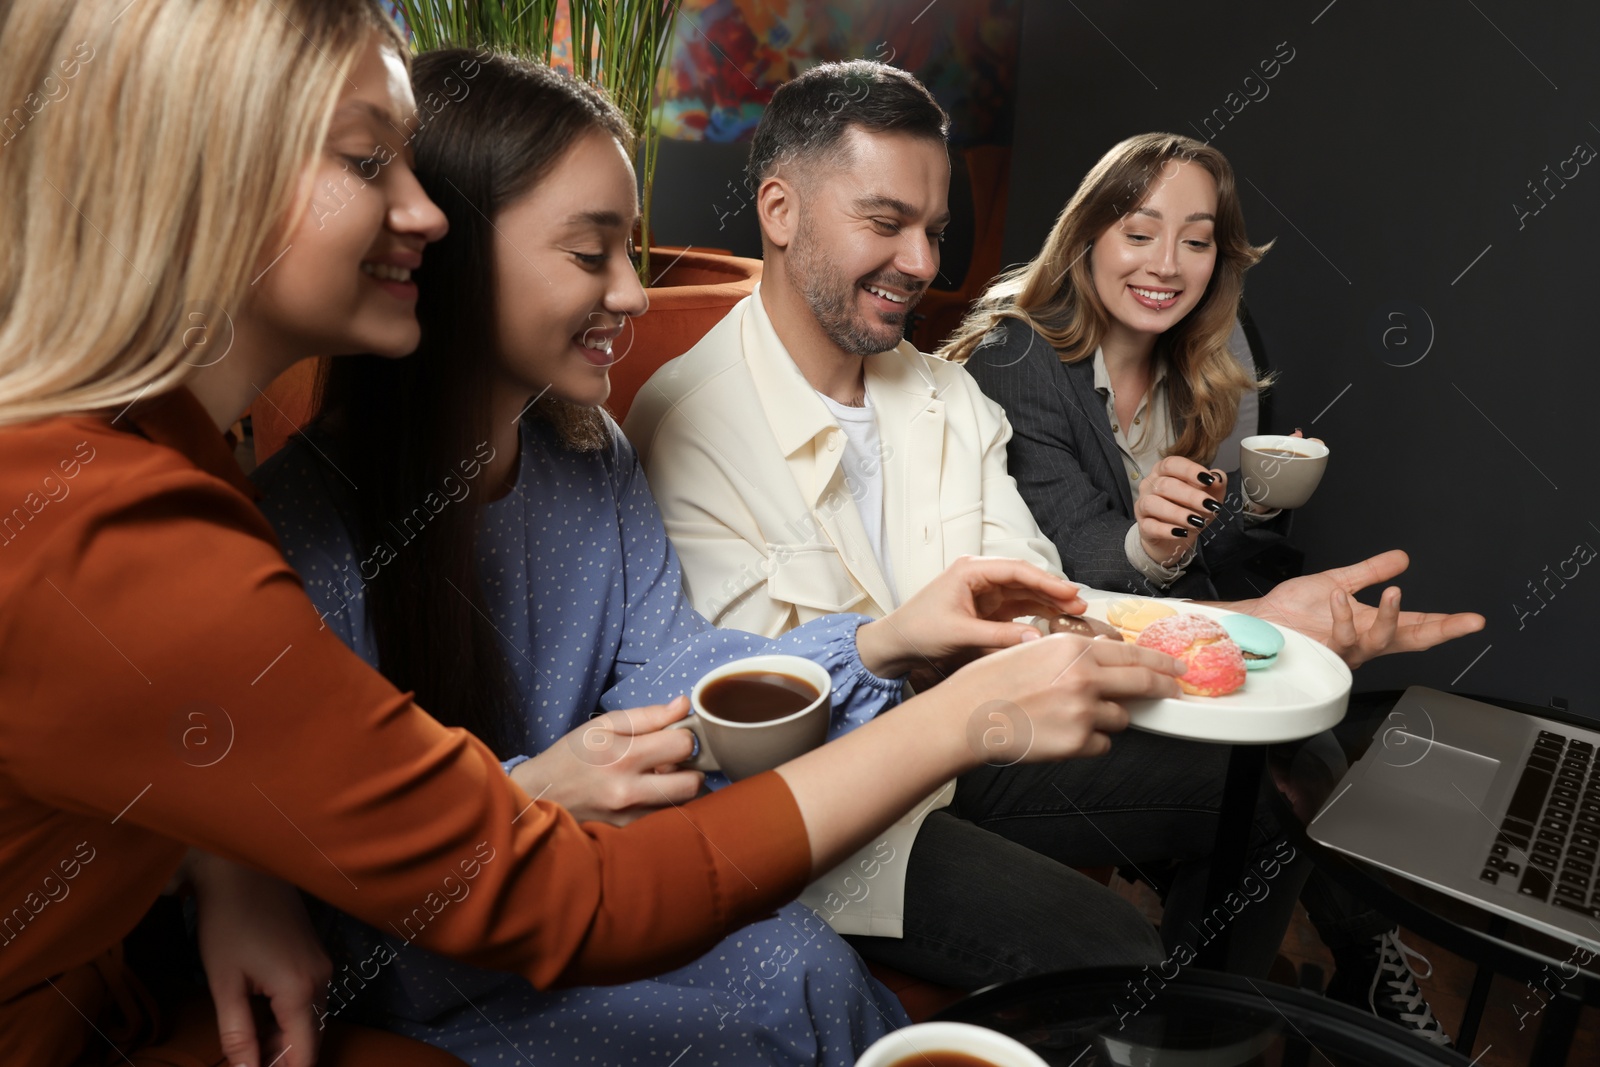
1259, 641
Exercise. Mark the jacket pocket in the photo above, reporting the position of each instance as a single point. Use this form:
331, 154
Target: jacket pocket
963, 531
812, 576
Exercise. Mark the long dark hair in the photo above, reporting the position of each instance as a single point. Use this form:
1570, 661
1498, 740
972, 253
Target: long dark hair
1055, 293
493, 126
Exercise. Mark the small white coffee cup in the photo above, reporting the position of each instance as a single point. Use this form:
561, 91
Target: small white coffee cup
1274, 480
905, 1048
743, 749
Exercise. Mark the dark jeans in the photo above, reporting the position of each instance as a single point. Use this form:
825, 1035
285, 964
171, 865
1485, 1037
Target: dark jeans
981, 909
990, 895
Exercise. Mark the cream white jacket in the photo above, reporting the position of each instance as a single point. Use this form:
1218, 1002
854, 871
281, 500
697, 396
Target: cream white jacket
744, 461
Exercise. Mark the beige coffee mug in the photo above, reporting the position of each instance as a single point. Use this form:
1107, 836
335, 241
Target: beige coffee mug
743, 749
1280, 481
905, 1048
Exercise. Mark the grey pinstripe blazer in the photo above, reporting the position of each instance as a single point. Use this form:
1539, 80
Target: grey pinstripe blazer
1065, 460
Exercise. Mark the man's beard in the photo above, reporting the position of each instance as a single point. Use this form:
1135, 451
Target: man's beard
832, 299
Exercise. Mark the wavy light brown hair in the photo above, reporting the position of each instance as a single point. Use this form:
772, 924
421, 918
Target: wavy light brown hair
1055, 293
152, 152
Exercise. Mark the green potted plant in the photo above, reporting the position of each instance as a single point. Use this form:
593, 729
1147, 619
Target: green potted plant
620, 46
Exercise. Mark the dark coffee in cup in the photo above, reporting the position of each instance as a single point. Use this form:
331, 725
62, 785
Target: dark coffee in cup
944, 1059
757, 696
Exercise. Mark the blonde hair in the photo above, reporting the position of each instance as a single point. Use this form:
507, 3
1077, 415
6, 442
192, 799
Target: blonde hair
1055, 293
161, 148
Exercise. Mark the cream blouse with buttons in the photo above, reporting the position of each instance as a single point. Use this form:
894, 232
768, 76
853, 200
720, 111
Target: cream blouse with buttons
1142, 445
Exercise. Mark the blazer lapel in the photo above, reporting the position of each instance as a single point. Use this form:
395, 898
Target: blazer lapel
1092, 423
813, 447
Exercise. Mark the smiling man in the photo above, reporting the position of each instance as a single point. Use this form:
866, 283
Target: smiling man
855, 467
807, 460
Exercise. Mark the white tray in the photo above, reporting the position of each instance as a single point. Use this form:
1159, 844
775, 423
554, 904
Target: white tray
1303, 694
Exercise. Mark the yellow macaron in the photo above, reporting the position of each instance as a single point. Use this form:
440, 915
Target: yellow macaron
1133, 614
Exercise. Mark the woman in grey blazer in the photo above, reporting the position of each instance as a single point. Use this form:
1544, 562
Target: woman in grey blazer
1110, 355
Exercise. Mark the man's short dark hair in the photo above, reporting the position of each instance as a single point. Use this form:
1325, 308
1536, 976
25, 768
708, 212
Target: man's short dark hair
809, 115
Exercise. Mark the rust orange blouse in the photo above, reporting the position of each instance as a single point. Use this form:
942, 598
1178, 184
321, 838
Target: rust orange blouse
164, 682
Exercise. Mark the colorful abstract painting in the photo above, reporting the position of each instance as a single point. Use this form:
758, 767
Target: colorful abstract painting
731, 54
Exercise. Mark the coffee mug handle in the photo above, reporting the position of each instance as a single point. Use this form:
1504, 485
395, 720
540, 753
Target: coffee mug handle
702, 760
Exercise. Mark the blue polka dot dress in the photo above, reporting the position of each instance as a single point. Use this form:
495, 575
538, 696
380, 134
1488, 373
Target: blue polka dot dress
587, 594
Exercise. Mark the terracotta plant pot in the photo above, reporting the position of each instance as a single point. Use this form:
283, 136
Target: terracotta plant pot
689, 297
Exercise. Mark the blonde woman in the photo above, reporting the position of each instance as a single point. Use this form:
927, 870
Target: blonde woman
227, 189
1110, 354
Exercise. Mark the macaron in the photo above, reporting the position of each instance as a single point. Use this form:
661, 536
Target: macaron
1260, 641
1132, 614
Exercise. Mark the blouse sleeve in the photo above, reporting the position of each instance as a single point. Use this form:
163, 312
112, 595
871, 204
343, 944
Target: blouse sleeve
667, 645
166, 593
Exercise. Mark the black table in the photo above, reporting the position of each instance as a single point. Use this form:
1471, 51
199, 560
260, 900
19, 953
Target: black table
1229, 852
1188, 1017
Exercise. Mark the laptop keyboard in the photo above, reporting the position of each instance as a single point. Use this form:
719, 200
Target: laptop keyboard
1550, 836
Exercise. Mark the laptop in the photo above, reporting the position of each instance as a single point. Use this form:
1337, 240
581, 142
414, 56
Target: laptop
1489, 805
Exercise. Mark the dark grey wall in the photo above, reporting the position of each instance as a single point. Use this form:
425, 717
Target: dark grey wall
1385, 158
700, 198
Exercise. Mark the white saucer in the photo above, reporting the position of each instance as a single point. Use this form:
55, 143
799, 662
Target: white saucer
1303, 694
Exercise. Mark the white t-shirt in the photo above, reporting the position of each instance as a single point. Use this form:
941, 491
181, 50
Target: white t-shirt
863, 474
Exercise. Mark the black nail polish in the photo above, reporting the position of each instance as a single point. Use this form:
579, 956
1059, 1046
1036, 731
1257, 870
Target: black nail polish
1197, 522
1179, 531
1206, 478
1213, 507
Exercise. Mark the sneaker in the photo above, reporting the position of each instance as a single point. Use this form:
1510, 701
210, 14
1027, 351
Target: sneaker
1378, 976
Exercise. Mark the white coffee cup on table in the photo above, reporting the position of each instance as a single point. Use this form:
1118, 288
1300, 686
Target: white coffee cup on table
919, 1045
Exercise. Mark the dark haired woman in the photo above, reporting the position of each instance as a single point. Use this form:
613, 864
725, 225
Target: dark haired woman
1110, 354
503, 557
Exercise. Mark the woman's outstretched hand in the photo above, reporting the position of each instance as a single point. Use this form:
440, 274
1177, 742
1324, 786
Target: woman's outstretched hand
1060, 699
607, 769
1052, 698
1323, 606
966, 611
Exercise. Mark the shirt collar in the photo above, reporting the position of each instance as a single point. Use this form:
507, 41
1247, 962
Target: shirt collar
794, 410
177, 420
1102, 377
